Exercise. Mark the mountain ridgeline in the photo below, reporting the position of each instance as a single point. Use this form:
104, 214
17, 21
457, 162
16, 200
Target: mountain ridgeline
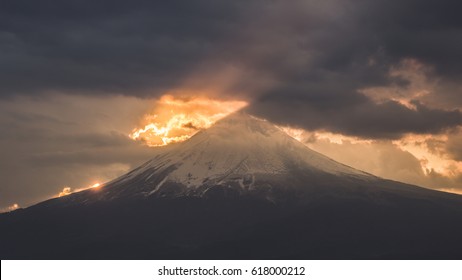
242, 189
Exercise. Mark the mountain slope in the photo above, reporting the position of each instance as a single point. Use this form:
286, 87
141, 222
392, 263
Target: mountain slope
233, 153
240, 189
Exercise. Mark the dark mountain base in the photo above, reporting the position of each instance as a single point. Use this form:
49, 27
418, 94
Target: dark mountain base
234, 228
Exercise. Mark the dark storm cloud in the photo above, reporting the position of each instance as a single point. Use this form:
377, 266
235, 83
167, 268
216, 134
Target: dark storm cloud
356, 115
426, 30
355, 50
90, 46
310, 56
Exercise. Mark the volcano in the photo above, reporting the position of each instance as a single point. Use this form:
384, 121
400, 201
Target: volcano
242, 189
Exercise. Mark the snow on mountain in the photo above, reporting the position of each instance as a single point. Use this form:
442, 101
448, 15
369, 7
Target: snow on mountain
239, 152
240, 145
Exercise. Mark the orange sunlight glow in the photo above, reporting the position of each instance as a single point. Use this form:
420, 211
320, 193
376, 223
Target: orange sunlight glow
451, 190
304, 136
430, 159
425, 147
295, 133
176, 119
65, 191
411, 70
69, 190
9, 208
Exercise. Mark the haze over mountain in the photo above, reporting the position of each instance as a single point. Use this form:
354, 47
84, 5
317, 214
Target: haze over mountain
240, 189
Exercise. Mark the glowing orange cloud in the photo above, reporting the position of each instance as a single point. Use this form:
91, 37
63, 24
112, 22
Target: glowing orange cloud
9, 208
65, 191
430, 159
294, 132
428, 149
68, 190
419, 86
176, 119
304, 136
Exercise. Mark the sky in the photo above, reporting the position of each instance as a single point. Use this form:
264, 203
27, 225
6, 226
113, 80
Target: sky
374, 84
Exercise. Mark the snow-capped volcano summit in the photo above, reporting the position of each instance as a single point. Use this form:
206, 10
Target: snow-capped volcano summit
240, 154
244, 145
